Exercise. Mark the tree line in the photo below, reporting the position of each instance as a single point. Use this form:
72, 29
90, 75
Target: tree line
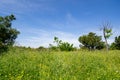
91, 41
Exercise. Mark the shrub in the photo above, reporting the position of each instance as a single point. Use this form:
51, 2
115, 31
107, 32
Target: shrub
62, 46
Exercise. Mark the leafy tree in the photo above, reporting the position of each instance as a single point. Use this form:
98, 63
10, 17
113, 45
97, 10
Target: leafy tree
116, 43
63, 46
7, 33
107, 32
91, 41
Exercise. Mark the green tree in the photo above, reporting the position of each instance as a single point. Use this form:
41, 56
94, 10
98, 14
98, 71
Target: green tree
63, 46
91, 41
7, 33
116, 43
107, 32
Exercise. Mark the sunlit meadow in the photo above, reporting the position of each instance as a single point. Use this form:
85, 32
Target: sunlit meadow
30, 64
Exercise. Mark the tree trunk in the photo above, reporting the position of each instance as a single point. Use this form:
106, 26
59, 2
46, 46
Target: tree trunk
106, 43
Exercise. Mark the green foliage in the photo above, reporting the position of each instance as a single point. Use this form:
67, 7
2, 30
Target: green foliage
100, 46
116, 43
113, 46
53, 48
91, 41
25, 64
108, 32
41, 47
7, 33
63, 46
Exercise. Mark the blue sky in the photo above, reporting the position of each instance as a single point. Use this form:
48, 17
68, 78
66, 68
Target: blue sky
40, 20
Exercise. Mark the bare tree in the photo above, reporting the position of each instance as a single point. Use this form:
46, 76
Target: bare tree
107, 32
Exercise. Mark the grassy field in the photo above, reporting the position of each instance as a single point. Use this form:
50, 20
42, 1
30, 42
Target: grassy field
27, 64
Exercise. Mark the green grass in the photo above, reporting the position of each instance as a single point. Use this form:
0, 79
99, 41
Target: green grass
27, 64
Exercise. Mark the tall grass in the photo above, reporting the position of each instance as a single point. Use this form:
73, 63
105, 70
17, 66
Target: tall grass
27, 64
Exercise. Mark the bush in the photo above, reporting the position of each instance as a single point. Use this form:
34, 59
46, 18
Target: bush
41, 48
62, 46
65, 46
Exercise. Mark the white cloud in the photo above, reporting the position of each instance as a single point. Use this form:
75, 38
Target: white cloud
44, 38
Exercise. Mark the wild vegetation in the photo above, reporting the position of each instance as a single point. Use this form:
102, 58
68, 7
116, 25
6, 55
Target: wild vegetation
60, 62
30, 64
62, 46
116, 43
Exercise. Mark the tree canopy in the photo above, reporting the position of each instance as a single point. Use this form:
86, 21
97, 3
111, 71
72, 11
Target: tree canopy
91, 41
116, 43
7, 33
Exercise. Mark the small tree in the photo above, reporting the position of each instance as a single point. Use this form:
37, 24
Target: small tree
7, 33
107, 32
63, 46
91, 41
116, 43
